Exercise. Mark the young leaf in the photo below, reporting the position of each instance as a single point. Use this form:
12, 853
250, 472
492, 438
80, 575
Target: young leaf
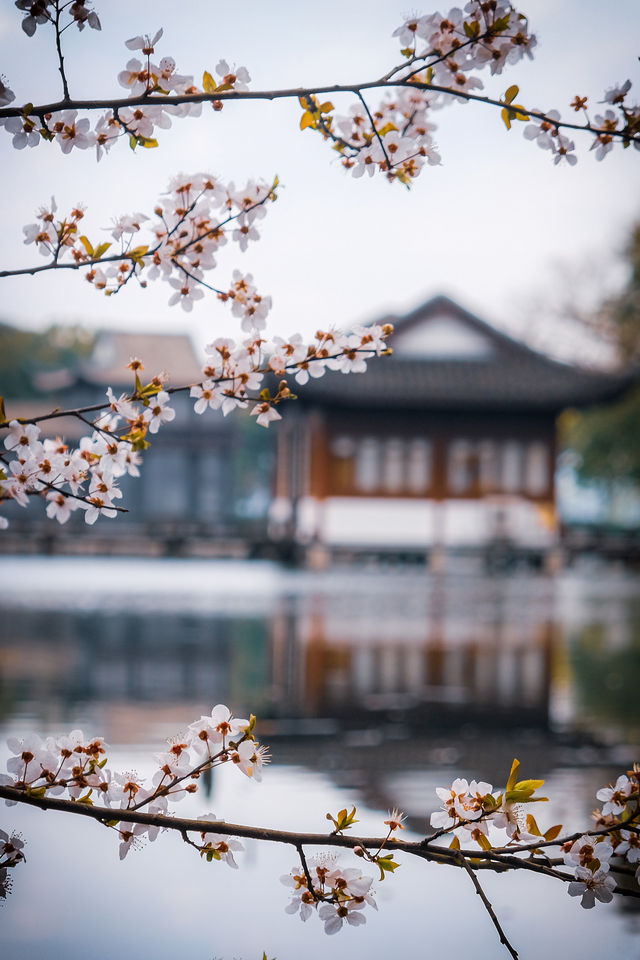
511, 93
387, 865
532, 826
88, 246
208, 83
307, 120
553, 832
100, 250
513, 775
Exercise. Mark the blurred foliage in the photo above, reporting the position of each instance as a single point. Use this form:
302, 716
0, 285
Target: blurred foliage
607, 439
607, 676
25, 353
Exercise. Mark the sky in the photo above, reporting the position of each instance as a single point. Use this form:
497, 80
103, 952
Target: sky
497, 226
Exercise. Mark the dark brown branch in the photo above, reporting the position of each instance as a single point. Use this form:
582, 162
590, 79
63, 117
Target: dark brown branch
56, 23
487, 904
297, 93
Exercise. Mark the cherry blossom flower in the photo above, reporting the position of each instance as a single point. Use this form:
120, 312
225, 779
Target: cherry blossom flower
543, 131
249, 758
60, 507
335, 915
23, 437
206, 396
71, 132
106, 132
603, 143
7, 96
210, 733
587, 849
618, 93
37, 15
158, 412
236, 78
265, 413
592, 886
187, 290
630, 846
24, 131
615, 797
146, 44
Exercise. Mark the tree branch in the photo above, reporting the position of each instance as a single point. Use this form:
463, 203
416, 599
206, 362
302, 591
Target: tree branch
487, 904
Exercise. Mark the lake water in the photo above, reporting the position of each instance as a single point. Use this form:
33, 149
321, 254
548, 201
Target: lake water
372, 688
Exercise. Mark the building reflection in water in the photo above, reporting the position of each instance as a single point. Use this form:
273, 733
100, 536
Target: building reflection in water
431, 654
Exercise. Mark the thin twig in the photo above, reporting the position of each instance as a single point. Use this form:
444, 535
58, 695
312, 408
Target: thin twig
305, 868
503, 937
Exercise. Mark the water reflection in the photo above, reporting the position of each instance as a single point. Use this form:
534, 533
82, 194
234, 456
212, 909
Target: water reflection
396, 653
372, 689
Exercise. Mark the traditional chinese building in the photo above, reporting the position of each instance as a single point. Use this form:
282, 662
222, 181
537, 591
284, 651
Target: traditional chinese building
204, 481
449, 443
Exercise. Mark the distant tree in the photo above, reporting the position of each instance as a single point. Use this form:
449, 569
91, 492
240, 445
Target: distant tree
25, 352
607, 439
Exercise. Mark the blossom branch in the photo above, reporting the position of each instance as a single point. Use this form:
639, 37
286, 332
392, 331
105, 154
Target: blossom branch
290, 93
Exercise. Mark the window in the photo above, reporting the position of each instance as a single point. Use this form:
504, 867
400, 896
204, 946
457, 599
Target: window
462, 466
393, 467
488, 464
537, 468
512, 466
419, 466
368, 465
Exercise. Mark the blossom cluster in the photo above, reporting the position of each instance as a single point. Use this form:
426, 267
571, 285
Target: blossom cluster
339, 894
71, 478
473, 808
44, 11
196, 216
75, 767
444, 54
141, 78
442, 57
86, 477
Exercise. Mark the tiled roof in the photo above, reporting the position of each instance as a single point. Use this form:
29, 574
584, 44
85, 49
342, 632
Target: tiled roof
160, 352
510, 377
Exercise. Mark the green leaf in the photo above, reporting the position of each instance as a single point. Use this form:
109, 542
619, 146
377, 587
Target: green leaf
37, 792
343, 820
3, 412
553, 832
532, 826
133, 141
208, 83
482, 840
387, 865
100, 250
407, 52
471, 28
137, 255
87, 245
513, 775
307, 120
512, 93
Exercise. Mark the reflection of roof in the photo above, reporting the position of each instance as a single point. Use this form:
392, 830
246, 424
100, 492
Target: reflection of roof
159, 352
491, 371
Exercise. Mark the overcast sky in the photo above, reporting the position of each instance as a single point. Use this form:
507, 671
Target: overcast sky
497, 226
